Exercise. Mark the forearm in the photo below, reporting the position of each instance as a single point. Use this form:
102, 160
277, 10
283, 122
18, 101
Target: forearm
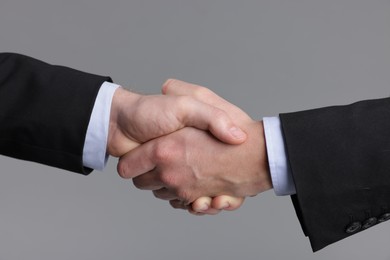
45, 111
340, 164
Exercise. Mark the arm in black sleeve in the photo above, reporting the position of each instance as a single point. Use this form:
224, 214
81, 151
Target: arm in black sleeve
340, 160
45, 111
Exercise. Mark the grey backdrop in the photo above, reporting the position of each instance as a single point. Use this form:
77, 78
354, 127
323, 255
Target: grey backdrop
266, 56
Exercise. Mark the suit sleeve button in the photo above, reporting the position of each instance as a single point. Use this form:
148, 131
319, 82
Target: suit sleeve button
384, 217
369, 223
353, 227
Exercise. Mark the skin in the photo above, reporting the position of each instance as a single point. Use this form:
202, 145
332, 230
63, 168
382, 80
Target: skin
191, 166
165, 114
136, 119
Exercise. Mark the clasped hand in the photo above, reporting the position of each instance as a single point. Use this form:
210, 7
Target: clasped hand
188, 146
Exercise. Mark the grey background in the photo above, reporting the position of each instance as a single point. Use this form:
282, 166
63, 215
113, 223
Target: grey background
267, 56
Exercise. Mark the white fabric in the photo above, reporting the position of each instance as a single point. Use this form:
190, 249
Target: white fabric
95, 146
281, 174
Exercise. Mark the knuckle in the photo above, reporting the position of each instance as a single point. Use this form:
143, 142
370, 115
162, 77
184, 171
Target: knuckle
202, 93
169, 179
219, 115
162, 153
167, 151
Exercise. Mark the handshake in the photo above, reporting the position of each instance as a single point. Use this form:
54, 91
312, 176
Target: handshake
188, 146
201, 153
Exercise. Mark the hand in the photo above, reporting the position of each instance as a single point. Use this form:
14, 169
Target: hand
207, 205
189, 163
135, 119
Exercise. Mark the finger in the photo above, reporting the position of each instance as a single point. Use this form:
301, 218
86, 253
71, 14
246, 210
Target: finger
165, 194
217, 121
203, 205
225, 202
137, 161
178, 204
148, 181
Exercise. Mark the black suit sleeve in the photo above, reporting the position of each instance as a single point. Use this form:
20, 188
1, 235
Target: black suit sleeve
45, 111
340, 160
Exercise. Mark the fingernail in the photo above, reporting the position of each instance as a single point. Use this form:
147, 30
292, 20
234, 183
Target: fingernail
226, 205
204, 207
237, 132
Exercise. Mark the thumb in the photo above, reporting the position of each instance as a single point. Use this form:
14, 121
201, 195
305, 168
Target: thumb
210, 109
177, 87
207, 117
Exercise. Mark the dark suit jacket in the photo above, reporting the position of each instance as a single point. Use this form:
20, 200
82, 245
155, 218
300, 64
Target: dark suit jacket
45, 111
340, 160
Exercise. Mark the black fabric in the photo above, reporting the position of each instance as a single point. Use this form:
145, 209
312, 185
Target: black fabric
340, 160
45, 111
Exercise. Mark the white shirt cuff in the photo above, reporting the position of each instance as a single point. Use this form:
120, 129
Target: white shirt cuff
95, 147
281, 174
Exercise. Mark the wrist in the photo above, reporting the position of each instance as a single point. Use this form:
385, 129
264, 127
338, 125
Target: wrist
266, 169
264, 175
255, 177
118, 141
